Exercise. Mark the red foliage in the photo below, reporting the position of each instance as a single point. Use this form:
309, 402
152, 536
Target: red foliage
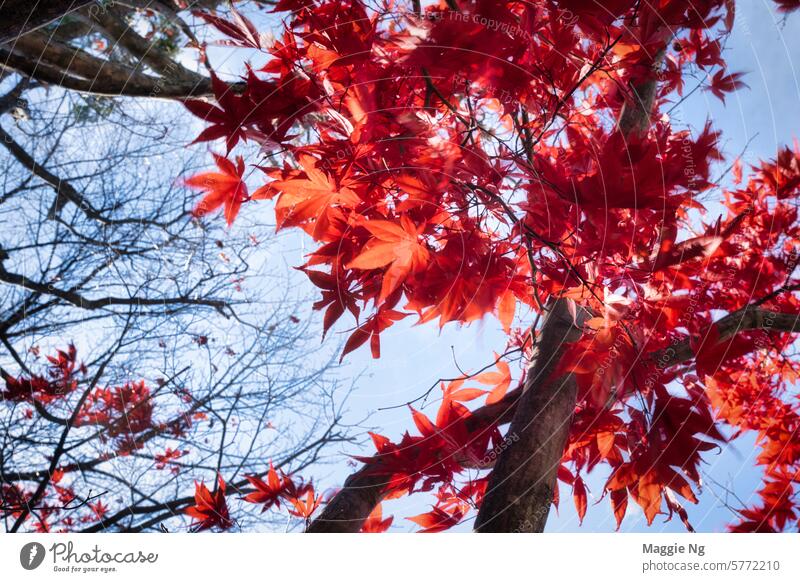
224, 188
125, 410
375, 522
417, 463
277, 487
437, 520
456, 169
210, 509
305, 507
167, 457
59, 381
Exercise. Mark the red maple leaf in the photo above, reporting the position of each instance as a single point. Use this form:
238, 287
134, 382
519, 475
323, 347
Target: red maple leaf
579, 496
576, 186
722, 83
305, 507
396, 246
210, 508
241, 30
437, 520
375, 522
267, 492
224, 188
277, 487
227, 118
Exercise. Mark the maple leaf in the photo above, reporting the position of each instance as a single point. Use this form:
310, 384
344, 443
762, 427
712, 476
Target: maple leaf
501, 380
24, 389
375, 522
210, 508
722, 83
58, 382
224, 188
395, 246
242, 30
414, 194
675, 506
99, 509
437, 520
648, 495
313, 201
125, 411
371, 330
579, 496
506, 308
228, 119
619, 504
454, 393
335, 297
166, 458
269, 493
305, 507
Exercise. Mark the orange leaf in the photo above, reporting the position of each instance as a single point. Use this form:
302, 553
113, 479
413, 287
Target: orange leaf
225, 188
375, 522
579, 497
619, 504
501, 380
506, 309
648, 495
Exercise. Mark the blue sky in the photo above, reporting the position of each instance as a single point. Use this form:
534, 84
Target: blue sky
765, 116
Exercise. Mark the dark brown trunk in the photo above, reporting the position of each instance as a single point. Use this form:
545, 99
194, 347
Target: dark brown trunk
361, 493
20, 16
521, 485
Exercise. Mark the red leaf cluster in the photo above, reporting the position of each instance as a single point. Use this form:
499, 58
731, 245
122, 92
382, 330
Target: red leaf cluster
59, 381
276, 488
481, 161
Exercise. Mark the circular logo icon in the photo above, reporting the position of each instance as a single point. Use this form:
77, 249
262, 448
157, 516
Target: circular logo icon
31, 555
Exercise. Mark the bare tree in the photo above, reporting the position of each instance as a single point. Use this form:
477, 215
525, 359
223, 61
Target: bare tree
140, 352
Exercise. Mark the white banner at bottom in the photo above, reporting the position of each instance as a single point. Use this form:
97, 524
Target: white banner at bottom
400, 557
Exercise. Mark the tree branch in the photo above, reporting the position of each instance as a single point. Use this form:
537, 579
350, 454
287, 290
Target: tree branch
112, 85
20, 16
748, 318
521, 486
239, 487
363, 490
65, 192
118, 31
78, 300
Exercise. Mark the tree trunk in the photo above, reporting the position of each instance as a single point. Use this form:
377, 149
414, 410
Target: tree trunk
362, 491
521, 485
20, 16
346, 511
